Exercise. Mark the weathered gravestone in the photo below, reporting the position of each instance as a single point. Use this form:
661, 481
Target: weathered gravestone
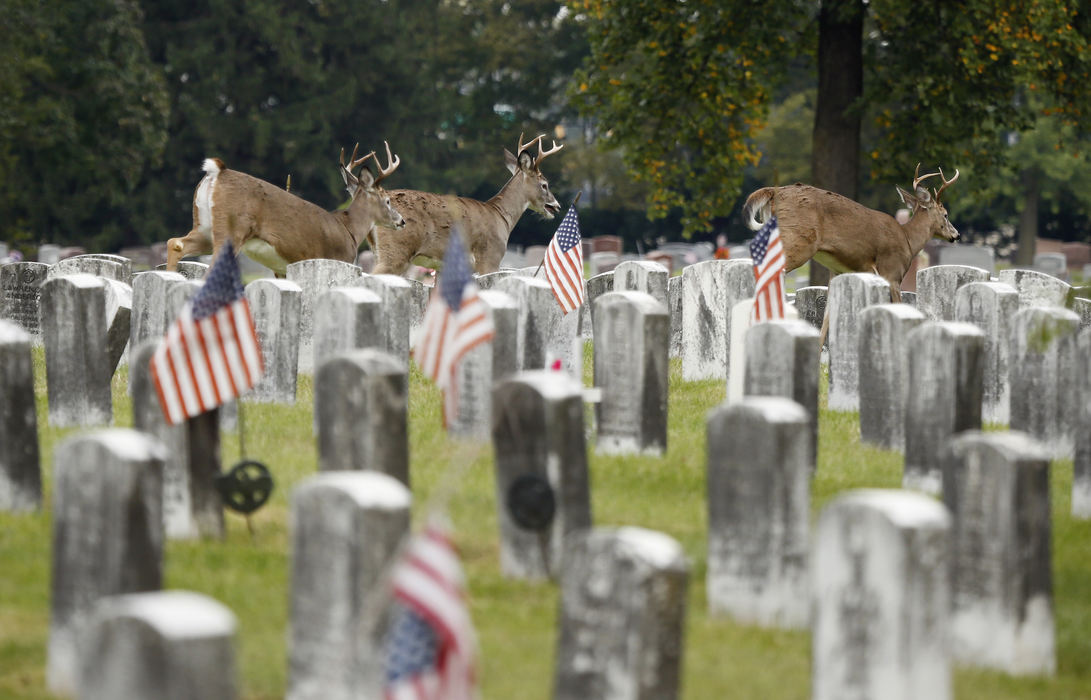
759, 471
112, 267
1042, 374
190, 269
346, 530
119, 306
1035, 288
991, 306
622, 614
945, 374
849, 294
20, 466
20, 294
1082, 308
593, 289
884, 352
361, 406
49, 253
909, 299
107, 534
996, 486
632, 363
541, 470
674, 304
709, 290
489, 280
398, 312
483, 365
165, 645
982, 256
352, 318
275, 307
938, 285
314, 277
74, 332
150, 315
1055, 264
782, 359
642, 276
881, 598
192, 506
810, 303
543, 334
1081, 464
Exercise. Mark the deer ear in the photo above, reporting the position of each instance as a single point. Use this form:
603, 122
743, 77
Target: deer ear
923, 196
907, 199
351, 183
526, 161
510, 161
366, 179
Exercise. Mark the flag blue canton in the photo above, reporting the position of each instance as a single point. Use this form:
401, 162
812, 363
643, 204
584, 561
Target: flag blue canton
760, 245
568, 233
223, 285
411, 646
456, 272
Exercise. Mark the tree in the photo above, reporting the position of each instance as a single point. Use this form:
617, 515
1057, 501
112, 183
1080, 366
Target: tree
684, 88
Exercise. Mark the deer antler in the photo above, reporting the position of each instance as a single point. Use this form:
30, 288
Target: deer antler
392, 163
946, 182
542, 155
918, 180
353, 161
524, 146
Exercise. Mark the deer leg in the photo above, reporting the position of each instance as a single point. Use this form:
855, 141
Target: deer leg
193, 243
825, 328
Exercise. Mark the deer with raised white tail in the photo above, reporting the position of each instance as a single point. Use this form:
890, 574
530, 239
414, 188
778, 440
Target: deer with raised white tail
485, 226
846, 236
275, 227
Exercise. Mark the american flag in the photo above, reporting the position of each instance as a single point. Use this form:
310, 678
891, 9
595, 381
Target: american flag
455, 323
430, 647
210, 354
564, 262
768, 256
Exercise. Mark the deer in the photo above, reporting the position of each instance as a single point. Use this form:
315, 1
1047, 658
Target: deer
485, 226
275, 227
846, 236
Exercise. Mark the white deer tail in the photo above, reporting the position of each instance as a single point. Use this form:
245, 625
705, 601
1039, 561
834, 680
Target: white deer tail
202, 198
212, 166
759, 201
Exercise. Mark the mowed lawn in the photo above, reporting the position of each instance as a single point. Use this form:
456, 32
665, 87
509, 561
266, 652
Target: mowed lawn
515, 620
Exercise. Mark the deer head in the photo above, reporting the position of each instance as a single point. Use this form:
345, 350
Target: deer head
366, 186
533, 184
928, 205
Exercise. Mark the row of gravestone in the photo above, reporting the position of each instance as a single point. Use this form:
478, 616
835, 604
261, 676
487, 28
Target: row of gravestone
893, 584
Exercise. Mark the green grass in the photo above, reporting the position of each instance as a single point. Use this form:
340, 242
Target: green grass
515, 620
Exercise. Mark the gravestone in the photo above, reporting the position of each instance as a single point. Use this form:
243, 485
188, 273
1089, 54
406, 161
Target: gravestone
534, 255
996, 486
541, 459
938, 285
991, 306
600, 262
149, 315
484, 365
849, 294
945, 375
314, 277
543, 332
909, 299
398, 310
622, 614
346, 530
107, 534
275, 307
419, 296
981, 256
112, 267
192, 506
782, 359
881, 598
20, 295
74, 328
643, 276
884, 372
165, 645
179, 295
613, 244
489, 280
1082, 308
674, 304
810, 303
1055, 264
760, 461
119, 307
632, 364
1035, 288
20, 465
350, 318
709, 290
593, 288
361, 407
190, 269
1081, 463
49, 253
1042, 373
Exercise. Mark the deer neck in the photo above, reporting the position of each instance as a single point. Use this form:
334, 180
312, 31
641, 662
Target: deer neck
917, 232
352, 220
511, 201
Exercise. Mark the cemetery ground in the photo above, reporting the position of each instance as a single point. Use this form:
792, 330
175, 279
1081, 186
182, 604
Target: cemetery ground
515, 620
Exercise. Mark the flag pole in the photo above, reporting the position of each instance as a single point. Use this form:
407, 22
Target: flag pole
574, 203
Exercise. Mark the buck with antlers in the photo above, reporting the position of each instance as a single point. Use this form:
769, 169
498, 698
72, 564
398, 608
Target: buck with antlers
275, 227
485, 226
848, 237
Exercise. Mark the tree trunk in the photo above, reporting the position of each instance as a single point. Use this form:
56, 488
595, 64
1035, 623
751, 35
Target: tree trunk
835, 158
1027, 236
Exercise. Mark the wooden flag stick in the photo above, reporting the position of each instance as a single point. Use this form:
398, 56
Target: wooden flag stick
574, 203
